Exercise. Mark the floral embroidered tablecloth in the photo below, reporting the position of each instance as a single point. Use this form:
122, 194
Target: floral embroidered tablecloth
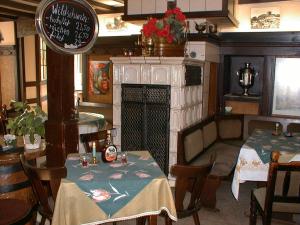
254, 157
110, 192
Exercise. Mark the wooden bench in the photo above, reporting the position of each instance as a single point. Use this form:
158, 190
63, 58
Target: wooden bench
221, 136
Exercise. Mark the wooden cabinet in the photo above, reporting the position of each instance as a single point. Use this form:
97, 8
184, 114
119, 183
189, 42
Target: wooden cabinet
218, 11
243, 105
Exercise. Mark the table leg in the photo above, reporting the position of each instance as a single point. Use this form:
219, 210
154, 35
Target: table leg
152, 220
168, 221
141, 221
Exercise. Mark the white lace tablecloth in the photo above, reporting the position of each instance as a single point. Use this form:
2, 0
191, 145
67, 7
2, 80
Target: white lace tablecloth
253, 160
249, 168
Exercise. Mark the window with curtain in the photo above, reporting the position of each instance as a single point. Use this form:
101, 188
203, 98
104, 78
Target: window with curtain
286, 87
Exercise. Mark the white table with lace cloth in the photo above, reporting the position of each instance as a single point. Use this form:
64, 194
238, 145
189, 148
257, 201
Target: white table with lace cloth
253, 160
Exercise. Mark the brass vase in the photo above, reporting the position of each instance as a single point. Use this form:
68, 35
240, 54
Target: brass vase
163, 48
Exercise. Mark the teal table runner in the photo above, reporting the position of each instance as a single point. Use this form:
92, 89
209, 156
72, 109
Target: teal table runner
264, 143
113, 185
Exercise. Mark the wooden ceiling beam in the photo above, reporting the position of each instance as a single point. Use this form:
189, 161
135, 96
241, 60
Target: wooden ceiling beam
27, 8
4, 17
28, 2
18, 7
10, 12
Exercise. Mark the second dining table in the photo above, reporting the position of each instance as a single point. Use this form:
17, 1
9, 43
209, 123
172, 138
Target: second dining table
110, 192
254, 157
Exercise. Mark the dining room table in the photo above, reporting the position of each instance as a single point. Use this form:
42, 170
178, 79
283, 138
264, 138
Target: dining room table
255, 155
110, 192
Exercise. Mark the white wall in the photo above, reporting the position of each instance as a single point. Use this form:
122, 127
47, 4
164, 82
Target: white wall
8, 32
289, 16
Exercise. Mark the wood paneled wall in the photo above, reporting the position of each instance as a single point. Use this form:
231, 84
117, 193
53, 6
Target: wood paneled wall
265, 45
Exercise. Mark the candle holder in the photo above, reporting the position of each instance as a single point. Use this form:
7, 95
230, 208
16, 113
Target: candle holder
94, 160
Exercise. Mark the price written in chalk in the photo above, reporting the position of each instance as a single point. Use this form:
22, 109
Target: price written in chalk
69, 24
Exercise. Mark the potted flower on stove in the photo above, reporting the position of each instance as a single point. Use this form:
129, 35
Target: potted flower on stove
168, 33
29, 123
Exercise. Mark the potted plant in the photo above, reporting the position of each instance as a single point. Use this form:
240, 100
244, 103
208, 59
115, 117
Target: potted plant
170, 28
29, 123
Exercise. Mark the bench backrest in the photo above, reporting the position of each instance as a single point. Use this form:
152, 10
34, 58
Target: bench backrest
194, 140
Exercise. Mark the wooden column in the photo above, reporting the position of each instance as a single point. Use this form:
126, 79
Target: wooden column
61, 127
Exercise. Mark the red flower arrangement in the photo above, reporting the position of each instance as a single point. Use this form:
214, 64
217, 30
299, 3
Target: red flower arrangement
171, 27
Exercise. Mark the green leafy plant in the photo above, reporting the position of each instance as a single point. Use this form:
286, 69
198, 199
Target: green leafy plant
29, 121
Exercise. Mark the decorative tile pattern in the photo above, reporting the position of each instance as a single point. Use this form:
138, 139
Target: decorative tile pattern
186, 101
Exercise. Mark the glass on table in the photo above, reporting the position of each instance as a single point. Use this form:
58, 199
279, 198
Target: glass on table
85, 159
124, 158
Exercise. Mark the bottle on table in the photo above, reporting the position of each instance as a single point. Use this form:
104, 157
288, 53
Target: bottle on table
277, 132
109, 152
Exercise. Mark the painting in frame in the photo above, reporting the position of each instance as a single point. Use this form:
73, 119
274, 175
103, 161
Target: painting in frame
99, 79
265, 18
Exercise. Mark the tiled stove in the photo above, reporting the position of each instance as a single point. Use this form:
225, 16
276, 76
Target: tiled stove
186, 105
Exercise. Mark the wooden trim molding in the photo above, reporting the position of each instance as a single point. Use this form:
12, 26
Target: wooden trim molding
258, 1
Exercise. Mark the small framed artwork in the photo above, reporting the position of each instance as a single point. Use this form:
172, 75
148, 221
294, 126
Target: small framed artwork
99, 79
265, 18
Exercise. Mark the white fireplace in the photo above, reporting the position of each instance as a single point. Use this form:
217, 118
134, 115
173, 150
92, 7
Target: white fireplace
187, 104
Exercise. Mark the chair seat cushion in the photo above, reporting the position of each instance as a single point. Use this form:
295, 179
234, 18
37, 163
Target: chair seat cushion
226, 158
260, 194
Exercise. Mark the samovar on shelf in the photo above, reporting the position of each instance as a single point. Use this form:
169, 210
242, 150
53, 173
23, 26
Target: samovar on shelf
246, 78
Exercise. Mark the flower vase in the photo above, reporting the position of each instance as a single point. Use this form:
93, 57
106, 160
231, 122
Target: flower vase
36, 144
163, 48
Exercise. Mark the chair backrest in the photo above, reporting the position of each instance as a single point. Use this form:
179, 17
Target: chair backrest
293, 127
189, 179
98, 137
261, 124
45, 182
283, 183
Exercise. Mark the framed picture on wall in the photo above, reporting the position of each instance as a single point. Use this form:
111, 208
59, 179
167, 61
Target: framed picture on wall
99, 79
265, 18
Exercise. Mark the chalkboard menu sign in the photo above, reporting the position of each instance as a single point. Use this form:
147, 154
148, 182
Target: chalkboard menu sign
67, 26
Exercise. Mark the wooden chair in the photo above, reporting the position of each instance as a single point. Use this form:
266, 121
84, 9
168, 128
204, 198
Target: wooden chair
293, 127
45, 182
98, 137
189, 179
282, 193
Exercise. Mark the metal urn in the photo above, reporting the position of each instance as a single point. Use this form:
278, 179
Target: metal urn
246, 78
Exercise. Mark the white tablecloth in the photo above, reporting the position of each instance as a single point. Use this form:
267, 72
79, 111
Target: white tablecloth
249, 168
250, 165
88, 123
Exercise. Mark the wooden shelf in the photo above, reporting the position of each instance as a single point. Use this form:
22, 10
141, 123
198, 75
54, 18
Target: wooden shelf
242, 98
218, 17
